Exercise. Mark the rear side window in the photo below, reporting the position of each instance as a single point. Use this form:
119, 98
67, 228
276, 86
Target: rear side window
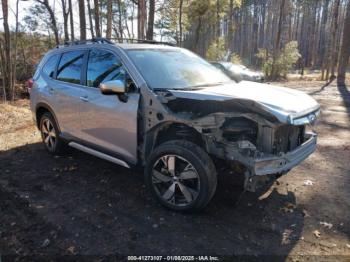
50, 66
69, 69
103, 66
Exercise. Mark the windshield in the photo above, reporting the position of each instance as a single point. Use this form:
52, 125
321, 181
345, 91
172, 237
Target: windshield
175, 69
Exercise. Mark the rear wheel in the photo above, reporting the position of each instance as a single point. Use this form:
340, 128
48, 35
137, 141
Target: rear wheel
50, 134
181, 176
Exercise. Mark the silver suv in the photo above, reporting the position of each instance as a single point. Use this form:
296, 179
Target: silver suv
169, 111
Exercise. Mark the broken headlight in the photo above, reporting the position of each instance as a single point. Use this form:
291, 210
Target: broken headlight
311, 119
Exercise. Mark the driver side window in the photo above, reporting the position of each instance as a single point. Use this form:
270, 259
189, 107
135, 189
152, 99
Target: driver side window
103, 66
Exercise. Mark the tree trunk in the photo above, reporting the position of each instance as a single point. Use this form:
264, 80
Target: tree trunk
269, 22
3, 72
149, 35
287, 12
323, 39
217, 25
229, 42
132, 19
333, 53
65, 14
120, 20
14, 62
262, 26
109, 18
345, 50
316, 35
305, 40
278, 40
197, 34
97, 18
71, 20
141, 19
296, 28
90, 20
82, 20
7, 77
52, 18
255, 34
180, 22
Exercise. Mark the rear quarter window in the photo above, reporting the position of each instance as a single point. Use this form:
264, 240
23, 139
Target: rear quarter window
50, 66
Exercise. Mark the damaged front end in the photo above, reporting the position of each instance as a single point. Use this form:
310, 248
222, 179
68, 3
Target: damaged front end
245, 132
276, 150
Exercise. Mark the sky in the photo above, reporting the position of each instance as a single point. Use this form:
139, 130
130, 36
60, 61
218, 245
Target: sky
24, 6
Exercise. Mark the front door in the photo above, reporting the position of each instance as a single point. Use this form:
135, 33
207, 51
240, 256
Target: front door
106, 121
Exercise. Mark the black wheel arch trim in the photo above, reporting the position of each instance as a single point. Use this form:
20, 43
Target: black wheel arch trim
49, 109
151, 137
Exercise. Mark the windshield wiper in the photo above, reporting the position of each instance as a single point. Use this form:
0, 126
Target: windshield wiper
179, 88
189, 88
208, 85
196, 87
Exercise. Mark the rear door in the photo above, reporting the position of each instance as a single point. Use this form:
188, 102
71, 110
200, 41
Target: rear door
106, 121
69, 91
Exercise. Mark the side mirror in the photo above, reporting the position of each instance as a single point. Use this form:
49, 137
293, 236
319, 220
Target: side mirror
113, 87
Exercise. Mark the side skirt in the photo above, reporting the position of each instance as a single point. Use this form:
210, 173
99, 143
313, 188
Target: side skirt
99, 154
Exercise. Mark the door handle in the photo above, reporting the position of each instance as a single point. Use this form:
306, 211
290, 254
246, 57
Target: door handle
84, 98
51, 90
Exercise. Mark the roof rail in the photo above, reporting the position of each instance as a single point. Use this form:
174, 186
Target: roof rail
144, 41
102, 40
96, 40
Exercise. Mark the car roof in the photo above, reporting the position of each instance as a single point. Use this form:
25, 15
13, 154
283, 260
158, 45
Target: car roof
121, 43
125, 46
129, 46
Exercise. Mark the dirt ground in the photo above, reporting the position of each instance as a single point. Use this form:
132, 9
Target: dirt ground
79, 204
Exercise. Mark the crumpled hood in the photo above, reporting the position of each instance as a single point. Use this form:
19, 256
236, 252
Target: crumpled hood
284, 103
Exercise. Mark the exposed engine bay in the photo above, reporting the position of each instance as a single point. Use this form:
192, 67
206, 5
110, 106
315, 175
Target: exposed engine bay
242, 131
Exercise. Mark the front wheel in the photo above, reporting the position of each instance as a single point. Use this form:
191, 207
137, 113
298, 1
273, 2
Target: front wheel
181, 175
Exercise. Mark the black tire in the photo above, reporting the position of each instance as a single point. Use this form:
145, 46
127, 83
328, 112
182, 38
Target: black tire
201, 164
58, 146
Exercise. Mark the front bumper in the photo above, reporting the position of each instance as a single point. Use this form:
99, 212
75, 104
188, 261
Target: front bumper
284, 162
262, 168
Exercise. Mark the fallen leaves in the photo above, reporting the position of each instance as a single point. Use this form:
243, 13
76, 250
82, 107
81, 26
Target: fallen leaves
288, 208
327, 225
16, 125
308, 183
45, 243
305, 213
327, 244
71, 249
316, 233
286, 236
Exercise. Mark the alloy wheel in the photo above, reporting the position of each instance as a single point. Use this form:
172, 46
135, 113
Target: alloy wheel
49, 134
175, 180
